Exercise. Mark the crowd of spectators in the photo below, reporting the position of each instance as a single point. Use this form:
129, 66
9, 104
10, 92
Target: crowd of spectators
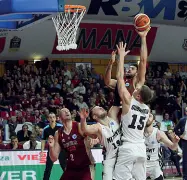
30, 91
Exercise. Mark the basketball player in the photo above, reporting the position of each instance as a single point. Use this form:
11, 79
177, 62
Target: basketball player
71, 138
133, 75
131, 160
107, 130
153, 138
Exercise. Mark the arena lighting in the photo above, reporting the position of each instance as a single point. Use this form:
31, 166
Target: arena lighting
36, 60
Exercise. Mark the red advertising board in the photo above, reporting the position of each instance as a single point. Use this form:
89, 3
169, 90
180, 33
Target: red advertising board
2, 43
102, 39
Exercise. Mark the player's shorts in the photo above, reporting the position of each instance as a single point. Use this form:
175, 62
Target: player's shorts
77, 174
154, 170
131, 162
108, 168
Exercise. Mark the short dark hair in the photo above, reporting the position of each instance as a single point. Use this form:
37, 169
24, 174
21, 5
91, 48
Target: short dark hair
134, 64
51, 113
13, 137
146, 94
25, 125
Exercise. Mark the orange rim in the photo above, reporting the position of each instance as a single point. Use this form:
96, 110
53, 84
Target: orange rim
74, 8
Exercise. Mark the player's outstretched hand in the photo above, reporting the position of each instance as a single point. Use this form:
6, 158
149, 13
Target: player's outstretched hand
51, 141
83, 113
113, 57
143, 33
175, 138
121, 49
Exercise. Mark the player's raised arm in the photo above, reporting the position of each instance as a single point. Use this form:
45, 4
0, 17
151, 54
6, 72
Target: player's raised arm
107, 78
173, 144
54, 147
123, 92
89, 130
143, 57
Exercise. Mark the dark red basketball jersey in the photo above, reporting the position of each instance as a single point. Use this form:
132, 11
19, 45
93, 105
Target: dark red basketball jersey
75, 146
129, 84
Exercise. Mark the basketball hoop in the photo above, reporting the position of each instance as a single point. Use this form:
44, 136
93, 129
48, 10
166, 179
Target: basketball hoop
67, 24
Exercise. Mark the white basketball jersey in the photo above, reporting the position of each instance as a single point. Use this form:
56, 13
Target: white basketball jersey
111, 138
133, 123
152, 147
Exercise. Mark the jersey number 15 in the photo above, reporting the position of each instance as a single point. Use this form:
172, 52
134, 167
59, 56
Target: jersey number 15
141, 120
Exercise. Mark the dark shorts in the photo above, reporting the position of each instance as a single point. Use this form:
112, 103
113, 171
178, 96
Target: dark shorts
80, 174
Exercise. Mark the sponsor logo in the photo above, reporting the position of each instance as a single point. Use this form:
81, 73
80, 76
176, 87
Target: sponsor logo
162, 9
102, 39
15, 44
4, 158
33, 157
21, 175
74, 136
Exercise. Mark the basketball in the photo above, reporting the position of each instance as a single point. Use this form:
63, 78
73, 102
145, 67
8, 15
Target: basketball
141, 22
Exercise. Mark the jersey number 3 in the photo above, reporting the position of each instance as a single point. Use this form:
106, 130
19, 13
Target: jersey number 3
141, 121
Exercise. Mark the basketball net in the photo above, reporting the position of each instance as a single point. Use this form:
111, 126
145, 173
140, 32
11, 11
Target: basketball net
66, 25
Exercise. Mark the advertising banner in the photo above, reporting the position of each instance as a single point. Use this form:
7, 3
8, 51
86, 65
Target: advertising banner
102, 39
27, 165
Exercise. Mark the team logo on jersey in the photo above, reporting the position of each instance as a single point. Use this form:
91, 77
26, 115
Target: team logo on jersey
127, 84
112, 123
74, 136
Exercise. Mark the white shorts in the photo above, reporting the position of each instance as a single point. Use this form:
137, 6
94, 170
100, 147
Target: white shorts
153, 169
131, 162
108, 168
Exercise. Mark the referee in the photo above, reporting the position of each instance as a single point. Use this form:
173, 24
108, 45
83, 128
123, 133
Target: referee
50, 130
181, 130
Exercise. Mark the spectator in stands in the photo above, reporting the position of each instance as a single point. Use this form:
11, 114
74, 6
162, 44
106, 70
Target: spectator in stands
174, 155
3, 104
81, 104
75, 81
12, 126
80, 89
67, 72
37, 117
14, 144
32, 143
166, 123
50, 130
181, 131
168, 73
24, 134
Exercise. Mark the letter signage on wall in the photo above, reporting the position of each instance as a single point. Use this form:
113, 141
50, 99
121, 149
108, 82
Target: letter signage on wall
102, 39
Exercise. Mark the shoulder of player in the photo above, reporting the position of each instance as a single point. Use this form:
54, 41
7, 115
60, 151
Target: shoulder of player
46, 127
112, 120
59, 125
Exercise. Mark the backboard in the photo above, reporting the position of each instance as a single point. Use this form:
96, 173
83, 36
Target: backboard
20, 14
